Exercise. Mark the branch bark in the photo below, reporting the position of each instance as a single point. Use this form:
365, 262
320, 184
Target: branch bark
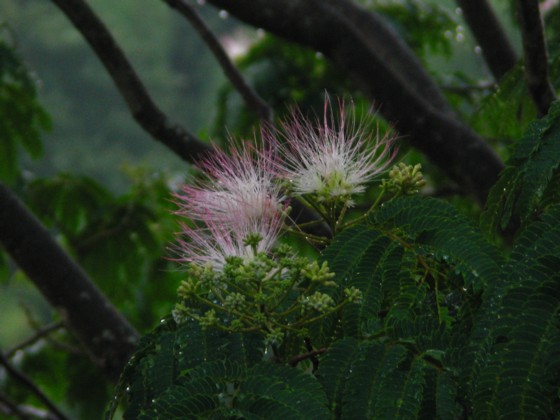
139, 102
489, 34
108, 338
360, 43
252, 99
535, 55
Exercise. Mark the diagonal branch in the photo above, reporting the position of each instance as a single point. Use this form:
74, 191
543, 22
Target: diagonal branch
253, 100
108, 338
536, 56
29, 384
489, 34
140, 104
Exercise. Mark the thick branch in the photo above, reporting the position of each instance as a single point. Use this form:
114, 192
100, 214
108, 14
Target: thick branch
140, 104
387, 71
106, 335
535, 55
489, 34
253, 100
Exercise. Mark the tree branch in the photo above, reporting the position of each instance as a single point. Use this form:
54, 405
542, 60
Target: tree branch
535, 55
253, 100
140, 104
40, 333
10, 407
388, 72
489, 34
108, 338
28, 383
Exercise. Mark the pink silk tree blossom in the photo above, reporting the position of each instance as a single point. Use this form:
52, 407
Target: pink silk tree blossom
331, 160
239, 199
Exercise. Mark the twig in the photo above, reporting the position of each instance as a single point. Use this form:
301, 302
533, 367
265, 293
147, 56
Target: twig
40, 333
311, 354
11, 407
536, 56
140, 104
251, 97
21, 377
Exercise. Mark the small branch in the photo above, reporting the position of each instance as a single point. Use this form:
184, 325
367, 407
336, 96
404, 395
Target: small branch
536, 56
140, 104
7, 406
21, 377
40, 333
489, 34
311, 354
253, 100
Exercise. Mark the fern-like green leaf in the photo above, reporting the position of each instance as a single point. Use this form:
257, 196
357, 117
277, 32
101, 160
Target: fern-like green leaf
334, 370
446, 234
375, 381
276, 391
520, 190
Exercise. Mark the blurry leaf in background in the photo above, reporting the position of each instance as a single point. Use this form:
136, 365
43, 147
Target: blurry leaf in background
284, 74
120, 241
22, 119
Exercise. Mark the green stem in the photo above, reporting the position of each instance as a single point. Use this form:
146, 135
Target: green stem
367, 213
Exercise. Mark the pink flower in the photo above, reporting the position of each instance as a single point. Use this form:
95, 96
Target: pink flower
331, 161
240, 184
239, 199
215, 243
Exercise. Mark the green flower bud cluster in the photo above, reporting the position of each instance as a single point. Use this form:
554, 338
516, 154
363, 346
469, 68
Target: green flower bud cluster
276, 294
405, 179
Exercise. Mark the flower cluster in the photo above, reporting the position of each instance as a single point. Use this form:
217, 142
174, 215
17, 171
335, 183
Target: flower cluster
238, 279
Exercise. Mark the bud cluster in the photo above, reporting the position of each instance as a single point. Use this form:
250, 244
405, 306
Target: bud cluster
405, 179
274, 294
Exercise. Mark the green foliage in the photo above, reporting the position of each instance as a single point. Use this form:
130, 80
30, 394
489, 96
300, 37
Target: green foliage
527, 184
223, 376
22, 119
118, 240
448, 326
422, 24
283, 74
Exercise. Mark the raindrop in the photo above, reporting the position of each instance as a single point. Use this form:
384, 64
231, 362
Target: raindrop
201, 2
460, 38
223, 14
477, 49
458, 11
